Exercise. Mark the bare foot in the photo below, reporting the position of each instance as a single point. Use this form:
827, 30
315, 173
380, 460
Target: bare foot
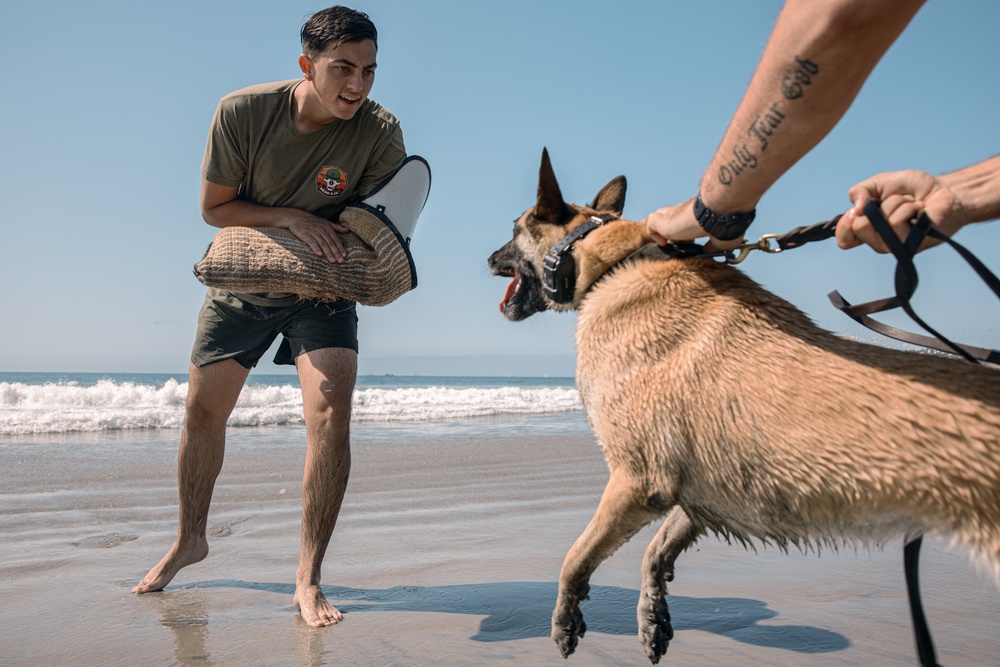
313, 606
169, 565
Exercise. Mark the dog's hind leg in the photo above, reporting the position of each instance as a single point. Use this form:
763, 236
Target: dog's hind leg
677, 534
621, 514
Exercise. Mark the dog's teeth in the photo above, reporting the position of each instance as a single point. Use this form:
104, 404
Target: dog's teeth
512, 288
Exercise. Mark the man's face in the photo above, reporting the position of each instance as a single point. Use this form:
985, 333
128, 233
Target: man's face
342, 76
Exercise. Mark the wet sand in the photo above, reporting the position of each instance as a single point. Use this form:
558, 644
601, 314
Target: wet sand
447, 553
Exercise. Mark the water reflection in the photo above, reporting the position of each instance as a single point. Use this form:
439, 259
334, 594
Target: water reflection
185, 614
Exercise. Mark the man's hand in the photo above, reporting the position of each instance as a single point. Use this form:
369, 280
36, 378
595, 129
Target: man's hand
903, 195
322, 236
677, 223
221, 207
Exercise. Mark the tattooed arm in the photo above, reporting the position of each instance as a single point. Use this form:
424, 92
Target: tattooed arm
819, 55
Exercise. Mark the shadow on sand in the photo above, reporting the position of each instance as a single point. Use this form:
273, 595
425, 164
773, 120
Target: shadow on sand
523, 610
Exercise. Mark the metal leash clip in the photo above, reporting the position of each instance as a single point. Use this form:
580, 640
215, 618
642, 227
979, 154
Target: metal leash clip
737, 255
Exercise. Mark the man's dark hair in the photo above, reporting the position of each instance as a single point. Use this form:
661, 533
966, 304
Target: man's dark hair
336, 25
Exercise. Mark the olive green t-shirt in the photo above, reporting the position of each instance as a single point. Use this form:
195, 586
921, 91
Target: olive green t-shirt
253, 145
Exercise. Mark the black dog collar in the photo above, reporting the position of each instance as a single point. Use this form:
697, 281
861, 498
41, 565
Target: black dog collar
559, 274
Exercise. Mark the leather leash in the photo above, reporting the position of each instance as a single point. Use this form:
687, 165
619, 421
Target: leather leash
905, 279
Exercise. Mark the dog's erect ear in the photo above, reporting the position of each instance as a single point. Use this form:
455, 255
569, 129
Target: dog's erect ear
550, 204
612, 196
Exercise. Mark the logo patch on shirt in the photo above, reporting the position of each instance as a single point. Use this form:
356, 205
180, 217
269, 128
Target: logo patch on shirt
331, 181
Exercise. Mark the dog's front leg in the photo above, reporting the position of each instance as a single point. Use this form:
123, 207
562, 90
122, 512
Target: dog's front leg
621, 514
677, 534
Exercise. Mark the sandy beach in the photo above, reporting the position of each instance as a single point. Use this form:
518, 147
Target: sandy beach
447, 553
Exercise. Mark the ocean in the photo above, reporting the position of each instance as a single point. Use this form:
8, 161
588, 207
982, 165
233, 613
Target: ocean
124, 405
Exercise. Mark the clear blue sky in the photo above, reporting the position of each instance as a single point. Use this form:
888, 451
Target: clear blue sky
107, 105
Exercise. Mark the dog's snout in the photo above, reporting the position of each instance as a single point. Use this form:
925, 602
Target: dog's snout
499, 262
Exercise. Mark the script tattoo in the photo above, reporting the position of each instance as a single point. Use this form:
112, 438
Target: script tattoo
764, 126
743, 158
793, 87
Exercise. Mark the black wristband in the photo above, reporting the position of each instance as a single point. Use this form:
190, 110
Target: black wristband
722, 227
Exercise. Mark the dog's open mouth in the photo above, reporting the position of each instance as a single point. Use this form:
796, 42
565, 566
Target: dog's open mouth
512, 288
523, 296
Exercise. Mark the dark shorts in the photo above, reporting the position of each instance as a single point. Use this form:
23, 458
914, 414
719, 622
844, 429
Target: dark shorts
231, 327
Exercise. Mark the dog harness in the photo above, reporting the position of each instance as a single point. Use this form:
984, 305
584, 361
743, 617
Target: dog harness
559, 266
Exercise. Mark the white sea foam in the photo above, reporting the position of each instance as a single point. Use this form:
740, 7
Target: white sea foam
109, 405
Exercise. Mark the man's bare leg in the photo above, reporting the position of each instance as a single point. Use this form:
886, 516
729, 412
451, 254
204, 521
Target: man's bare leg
212, 394
327, 378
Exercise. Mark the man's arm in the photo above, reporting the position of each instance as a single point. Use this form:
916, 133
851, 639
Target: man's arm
978, 188
819, 55
952, 201
220, 207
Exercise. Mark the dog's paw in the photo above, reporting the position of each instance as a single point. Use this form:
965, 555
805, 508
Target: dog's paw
567, 629
655, 630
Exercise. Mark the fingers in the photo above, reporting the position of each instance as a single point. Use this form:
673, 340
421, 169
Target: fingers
856, 229
674, 223
323, 239
846, 238
331, 245
336, 245
917, 184
656, 222
861, 193
657, 238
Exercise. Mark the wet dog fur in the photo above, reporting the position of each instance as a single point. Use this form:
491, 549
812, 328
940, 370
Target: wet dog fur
725, 409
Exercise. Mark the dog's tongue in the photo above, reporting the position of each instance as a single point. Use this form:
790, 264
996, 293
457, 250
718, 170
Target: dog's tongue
511, 290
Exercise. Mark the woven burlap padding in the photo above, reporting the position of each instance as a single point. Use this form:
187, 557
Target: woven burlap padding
378, 269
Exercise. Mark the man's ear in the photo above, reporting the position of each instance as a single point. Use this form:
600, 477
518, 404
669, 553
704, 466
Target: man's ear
550, 205
612, 196
306, 65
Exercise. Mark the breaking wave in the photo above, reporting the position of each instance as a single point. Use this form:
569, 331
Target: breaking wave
110, 405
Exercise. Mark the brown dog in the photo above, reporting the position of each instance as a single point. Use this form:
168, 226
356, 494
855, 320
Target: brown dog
725, 408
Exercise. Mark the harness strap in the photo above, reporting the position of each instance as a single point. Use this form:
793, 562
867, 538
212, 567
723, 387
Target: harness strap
688, 250
559, 267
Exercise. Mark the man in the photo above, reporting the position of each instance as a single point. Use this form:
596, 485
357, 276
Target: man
288, 154
818, 57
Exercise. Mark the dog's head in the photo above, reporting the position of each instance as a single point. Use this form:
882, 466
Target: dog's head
535, 232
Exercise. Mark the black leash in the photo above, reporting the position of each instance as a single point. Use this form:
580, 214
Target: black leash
921, 631
905, 279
